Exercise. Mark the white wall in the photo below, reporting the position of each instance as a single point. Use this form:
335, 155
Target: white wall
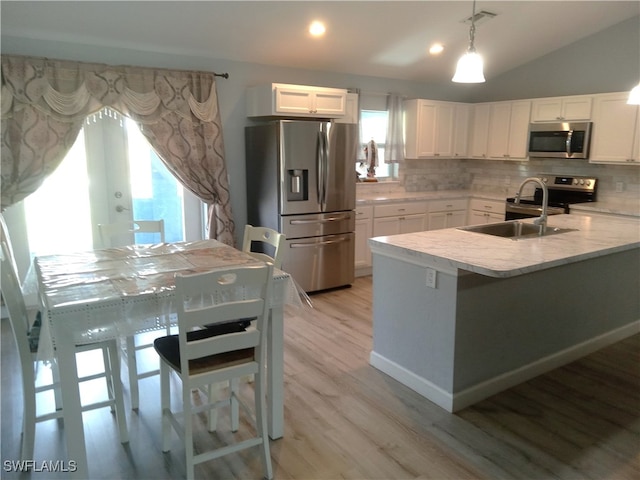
607, 61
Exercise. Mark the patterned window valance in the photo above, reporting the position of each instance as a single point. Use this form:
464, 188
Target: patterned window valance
44, 103
71, 90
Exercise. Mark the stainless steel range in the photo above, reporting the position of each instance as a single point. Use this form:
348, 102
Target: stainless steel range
563, 191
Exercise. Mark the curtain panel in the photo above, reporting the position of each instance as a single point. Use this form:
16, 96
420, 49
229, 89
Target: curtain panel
44, 103
395, 136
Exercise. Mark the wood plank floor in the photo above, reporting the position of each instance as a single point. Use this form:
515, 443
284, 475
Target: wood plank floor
346, 420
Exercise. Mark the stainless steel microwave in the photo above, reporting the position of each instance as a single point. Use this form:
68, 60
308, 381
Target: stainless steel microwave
559, 140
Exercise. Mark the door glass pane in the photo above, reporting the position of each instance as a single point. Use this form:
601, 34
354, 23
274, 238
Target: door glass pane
155, 192
59, 212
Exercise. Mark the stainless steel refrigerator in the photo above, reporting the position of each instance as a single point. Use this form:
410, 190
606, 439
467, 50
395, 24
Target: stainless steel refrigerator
301, 181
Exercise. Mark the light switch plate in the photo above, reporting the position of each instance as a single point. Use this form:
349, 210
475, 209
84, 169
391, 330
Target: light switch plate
431, 277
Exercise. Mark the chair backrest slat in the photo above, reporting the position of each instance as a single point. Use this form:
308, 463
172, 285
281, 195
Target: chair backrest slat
223, 343
222, 313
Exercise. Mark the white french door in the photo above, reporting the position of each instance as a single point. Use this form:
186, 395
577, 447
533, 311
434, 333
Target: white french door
111, 174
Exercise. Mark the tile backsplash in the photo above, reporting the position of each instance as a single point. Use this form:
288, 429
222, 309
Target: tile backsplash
503, 177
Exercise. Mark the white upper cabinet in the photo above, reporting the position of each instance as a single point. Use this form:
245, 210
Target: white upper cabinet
352, 112
553, 109
279, 99
461, 130
480, 130
615, 135
508, 130
429, 128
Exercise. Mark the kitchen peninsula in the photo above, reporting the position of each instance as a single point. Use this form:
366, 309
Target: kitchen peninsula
459, 315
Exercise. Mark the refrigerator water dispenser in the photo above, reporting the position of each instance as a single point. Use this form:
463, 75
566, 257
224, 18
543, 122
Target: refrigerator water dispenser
298, 185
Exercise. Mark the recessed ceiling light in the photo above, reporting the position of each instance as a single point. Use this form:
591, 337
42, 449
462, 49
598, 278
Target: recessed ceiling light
317, 29
436, 49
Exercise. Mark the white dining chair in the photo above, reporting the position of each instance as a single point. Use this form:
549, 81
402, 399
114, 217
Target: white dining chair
201, 357
120, 234
264, 244
27, 341
123, 233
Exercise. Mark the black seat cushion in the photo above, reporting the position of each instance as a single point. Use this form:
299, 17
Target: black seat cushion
34, 333
231, 327
168, 348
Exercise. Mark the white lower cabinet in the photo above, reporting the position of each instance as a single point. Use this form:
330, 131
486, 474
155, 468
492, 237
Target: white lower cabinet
395, 218
364, 231
447, 213
485, 211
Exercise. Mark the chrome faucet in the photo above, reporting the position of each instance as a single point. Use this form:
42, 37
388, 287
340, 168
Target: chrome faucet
542, 221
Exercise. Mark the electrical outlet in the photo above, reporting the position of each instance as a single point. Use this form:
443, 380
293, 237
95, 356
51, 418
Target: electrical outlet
619, 187
431, 277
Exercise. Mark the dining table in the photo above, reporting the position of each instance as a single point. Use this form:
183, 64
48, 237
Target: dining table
113, 293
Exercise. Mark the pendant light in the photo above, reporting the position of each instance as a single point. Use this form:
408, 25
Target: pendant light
469, 69
634, 96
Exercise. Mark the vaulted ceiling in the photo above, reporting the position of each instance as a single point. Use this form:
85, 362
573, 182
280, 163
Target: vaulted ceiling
374, 38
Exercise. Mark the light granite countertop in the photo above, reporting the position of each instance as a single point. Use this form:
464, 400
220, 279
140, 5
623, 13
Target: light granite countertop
493, 256
391, 197
629, 206
618, 206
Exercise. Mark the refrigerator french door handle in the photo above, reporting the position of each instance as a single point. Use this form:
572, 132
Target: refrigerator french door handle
324, 220
325, 180
316, 244
319, 167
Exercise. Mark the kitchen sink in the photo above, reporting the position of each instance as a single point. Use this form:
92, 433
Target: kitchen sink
514, 230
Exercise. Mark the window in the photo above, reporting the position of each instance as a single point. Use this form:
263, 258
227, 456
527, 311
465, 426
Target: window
373, 125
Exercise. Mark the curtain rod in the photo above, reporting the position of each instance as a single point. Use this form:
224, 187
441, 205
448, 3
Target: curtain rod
223, 75
379, 94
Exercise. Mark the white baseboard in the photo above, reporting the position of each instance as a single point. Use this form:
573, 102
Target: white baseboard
429, 390
454, 402
363, 271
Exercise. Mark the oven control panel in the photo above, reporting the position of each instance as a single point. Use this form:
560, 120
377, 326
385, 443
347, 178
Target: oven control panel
575, 183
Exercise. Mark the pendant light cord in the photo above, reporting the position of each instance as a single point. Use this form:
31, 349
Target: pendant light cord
472, 30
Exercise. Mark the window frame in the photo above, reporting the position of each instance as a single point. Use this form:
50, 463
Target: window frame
390, 169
